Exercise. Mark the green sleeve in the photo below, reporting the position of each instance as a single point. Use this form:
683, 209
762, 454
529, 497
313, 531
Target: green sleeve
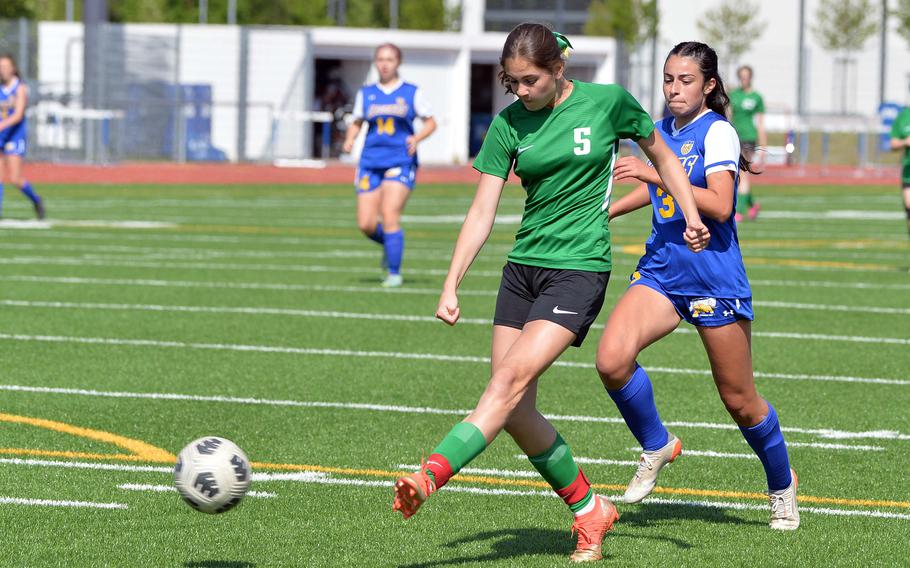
498, 150
898, 125
628, 118
760, 107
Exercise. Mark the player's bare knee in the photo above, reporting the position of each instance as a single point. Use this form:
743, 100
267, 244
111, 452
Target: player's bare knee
507, 386
367, 227
615, 365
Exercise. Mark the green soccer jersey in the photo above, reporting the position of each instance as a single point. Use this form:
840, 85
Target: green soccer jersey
901, 129
564, 157
745, 106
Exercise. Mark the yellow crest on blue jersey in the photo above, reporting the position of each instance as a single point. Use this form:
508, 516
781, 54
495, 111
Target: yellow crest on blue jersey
687, 147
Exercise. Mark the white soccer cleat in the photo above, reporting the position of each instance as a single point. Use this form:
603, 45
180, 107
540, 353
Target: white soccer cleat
393, 281
784, 512
649, 465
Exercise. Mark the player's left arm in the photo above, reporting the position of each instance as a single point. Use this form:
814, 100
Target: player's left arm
716, 200
18, 109
762, 133
722, 153
429, 126
425, 112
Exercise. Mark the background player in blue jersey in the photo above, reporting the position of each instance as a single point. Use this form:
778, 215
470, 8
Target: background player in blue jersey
13, 100
709, 290
388, 162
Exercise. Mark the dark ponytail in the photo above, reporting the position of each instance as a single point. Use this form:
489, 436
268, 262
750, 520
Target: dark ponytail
717, 99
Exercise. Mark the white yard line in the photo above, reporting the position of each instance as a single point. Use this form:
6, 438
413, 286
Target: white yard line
56, 503
378, 290
110, 341
388, 318
172, 489
824, 433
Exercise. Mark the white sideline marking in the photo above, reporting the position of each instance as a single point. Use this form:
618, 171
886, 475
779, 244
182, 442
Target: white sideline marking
55, 503
379, 290
392, 317
826, 433
708, 453
593, 461
325, 479
410, 356
831, 307
86, 465
820, 446
835, 214
171, 488
828, 284
238, 285
23, 224
51, 223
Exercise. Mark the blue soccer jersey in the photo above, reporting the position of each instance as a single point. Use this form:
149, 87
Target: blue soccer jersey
390, 115
706, 145
12, 139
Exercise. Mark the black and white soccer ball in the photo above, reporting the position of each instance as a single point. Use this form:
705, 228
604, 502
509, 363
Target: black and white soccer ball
212, 474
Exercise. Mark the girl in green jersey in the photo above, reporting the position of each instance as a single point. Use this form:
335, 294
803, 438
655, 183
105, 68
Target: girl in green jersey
561, 138
900, 142
747, 113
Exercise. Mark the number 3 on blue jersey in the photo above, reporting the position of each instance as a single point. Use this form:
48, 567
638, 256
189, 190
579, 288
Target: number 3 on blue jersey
585, 143
669, 207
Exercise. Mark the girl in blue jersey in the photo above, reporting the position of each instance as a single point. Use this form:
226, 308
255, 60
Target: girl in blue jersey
388, 162
709, 290
13, 100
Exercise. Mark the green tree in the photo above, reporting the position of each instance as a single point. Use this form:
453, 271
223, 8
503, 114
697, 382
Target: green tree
731, 28
844, 25
902, 15
15, 9
630, 21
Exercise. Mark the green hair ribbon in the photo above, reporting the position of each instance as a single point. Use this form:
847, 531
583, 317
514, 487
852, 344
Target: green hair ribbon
563, 43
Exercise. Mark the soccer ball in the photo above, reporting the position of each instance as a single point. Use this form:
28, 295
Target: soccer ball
212, 474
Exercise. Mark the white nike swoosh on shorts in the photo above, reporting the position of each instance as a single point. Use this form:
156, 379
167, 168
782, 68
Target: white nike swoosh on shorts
556, 310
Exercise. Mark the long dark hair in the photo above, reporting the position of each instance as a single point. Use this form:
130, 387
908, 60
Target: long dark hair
534, 42
717, 100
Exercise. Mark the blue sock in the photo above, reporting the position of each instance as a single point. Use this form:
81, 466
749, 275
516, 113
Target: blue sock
378, 236
767, 441
394, 250
30, 193
635, 401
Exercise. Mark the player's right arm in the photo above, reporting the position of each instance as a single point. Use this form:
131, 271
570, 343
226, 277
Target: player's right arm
676, 182
474, 232
632, 201
354, 128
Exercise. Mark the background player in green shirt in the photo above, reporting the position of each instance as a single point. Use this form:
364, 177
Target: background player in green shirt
561, 137
900, 140
747, 113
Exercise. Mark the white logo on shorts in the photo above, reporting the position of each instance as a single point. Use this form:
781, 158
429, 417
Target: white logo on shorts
556, 310
520, 150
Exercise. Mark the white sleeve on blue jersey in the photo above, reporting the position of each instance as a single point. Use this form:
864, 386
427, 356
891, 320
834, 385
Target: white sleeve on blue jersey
358, 105
422, 107
721, 148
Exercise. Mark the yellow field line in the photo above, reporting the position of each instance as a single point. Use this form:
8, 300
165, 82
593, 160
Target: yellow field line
143, 452
73, 455
137, 447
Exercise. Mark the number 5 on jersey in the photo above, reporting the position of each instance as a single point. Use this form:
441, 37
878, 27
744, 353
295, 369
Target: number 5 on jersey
583, 141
